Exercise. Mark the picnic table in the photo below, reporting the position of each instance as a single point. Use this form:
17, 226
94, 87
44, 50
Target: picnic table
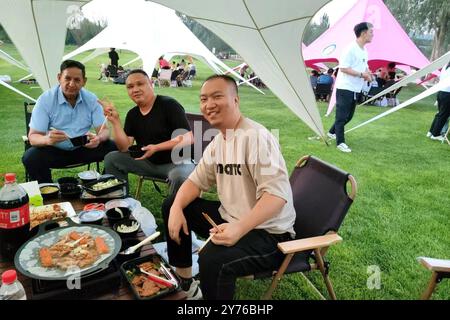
122, 292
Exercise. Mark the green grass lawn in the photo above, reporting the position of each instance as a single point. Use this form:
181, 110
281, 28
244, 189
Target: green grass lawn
401, 209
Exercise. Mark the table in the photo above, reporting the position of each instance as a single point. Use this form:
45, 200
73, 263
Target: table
122, 293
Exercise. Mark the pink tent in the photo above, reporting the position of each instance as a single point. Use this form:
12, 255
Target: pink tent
390, 42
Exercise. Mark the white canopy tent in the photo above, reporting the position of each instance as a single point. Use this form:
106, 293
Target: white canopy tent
38, 30
5, 56
267, 35
150, 30
16, 90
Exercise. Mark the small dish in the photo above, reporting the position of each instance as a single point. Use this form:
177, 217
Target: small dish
127, 228
91, 217
49, 190
88, 176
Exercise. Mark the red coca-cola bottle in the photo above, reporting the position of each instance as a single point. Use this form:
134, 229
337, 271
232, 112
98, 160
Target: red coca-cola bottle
14, 217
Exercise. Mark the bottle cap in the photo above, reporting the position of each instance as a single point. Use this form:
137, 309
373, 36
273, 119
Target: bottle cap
10, 177
9, 276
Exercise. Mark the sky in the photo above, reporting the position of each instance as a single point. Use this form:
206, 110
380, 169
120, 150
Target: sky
95, 9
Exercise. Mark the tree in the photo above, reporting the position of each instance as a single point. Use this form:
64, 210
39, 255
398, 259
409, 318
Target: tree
425, 16
314, 30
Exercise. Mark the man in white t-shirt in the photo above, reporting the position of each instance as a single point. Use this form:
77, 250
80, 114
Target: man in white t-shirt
255, 210
353, 71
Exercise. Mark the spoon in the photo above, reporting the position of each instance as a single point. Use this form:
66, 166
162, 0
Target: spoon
132, 249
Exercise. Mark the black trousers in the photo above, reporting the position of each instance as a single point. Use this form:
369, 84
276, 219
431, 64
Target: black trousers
443, 113
39, 160
345, 109
220, 266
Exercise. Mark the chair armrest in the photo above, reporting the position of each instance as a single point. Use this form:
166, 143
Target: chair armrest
309, 243
438, 265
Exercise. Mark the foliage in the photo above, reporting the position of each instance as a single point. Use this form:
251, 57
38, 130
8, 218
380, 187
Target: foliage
314, 30
83, 31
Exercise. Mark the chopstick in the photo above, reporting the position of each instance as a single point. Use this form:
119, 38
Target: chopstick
53, 128
103, 125
211, 221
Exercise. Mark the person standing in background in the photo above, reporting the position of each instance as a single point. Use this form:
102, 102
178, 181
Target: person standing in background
354, 71
114, 57
443, 99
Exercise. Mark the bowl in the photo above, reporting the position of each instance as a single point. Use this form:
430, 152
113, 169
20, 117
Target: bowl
116, 214
91, 217
116, 203
135, 151
64, 180
88, 176
70, 190
126, 243
49, 190
127, 228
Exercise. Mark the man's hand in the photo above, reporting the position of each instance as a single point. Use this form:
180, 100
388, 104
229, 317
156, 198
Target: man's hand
367, 76
94, 141
177, 221
55, 136
149, 151
228, 235
110, 111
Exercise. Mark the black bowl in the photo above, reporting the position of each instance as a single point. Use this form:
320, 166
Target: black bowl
128, 223
49, 191
71, 180
126, 243
70, 190
135, 151
114, 214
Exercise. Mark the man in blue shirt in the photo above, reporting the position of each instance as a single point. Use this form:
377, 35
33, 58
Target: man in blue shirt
63, 112
326, 78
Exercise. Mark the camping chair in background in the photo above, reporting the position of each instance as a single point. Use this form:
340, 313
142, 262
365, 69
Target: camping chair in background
373, 91
323, 91
199, 126
439, 268
28, 107
321, 202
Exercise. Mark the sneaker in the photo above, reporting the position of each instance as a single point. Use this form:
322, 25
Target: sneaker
344, 148
429, 134
194, 292
438, 138
331, 135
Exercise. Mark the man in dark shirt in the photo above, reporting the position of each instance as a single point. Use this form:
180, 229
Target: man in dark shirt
114, 57
159, 126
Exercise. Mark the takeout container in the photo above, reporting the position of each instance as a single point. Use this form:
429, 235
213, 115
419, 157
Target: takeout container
117, 214
130, 268
135, 151
89, 186
128, 223
49, 191
70, 190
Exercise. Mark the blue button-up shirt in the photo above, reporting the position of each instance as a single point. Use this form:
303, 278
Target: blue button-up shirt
52, 110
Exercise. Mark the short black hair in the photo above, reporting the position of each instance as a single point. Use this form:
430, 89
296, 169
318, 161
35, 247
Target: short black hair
330, 71
73, 64
391, 65
224, 77
361, 27
138, 71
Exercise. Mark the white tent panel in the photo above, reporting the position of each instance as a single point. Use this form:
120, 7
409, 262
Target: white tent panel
38, 30
267, 35
11, 60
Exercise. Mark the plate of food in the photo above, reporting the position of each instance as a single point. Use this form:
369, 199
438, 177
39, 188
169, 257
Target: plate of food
74, 250
104, 185
56, 211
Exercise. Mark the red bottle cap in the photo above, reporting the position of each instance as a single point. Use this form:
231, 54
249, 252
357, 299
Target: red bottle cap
9, 276
10, 177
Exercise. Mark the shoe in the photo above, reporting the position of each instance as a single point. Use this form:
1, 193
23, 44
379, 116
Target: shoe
331, 135
344, 148
194, 292
438, 138
429, 134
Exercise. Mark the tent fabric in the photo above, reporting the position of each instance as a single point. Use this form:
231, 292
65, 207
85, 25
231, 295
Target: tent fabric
267, 35
390, 41
161, 32
437, 87
38, 30
11, 60
16, 90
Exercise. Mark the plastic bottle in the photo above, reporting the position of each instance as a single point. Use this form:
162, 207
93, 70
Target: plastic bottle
11, 288
14, 217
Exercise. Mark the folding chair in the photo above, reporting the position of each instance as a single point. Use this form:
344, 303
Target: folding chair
199, 127
28, 107
321, 202
164, 77
439, 268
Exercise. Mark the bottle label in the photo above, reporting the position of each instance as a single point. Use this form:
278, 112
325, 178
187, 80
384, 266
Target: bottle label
14, 218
